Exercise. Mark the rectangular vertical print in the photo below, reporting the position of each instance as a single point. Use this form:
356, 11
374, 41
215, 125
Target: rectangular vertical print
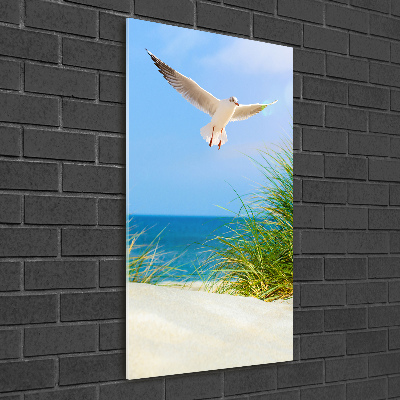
209, 201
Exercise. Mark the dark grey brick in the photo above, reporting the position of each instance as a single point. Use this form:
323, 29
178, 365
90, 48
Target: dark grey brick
346, 68
384, 267
112, 27
220, 18
297, 189
383, 364
10, 343
384, 170
395, 195
308, 10
316, 294
322, 242
369, 96
346, 167
346, 218
117, 5
394, 338
27, 375
394, 52
96, 368
87, 54
340, 369
28, 109
383, 315
330, 141
10, 209
60, 274
384, 123
307, 113
394, 291
367, 242
9, 11
384, 26
395, 100
112, 150
307, 164
345, 268
317, 346
9, 276
371, 389
385, 218
18, 309
367, 292
377, 5
279, 395
112, 212
10, 141
60, 18
60, 340
297, 85
277, 30
395, 9
101, 117
308, 61
337, 319
267, 6
9, 74
93, 242
296, 138
59, 145
85, 393
324, 191
385, 74
395, 147
27, 44
325, 393
346, 118
393, 386
300, 374
92, 306
308, 321
319, 38
368, 193
112, 336
171, 10
346, 18
324, 90
60, 81
46, 210
112, 88
28, 242
145, 389
308, 269
366, 342
28, 175
88, 178
369, 145
253, 379
308, 216
112, 273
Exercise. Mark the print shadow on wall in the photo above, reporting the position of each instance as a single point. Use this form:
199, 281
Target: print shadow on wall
209, 201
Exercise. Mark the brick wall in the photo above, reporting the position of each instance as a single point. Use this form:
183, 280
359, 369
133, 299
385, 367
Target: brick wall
62, 205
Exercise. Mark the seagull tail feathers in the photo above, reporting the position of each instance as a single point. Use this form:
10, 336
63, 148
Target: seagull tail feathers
206, 132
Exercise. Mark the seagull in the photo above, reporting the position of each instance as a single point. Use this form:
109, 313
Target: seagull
221, 111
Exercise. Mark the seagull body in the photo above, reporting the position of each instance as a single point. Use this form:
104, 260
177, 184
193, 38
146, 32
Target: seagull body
221, 111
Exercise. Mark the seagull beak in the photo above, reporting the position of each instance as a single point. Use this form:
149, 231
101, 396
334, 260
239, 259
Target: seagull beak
237, 104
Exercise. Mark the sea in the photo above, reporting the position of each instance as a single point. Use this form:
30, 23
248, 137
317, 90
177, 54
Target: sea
189, 237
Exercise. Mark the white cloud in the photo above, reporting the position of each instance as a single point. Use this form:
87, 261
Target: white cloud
252, 57
289, 94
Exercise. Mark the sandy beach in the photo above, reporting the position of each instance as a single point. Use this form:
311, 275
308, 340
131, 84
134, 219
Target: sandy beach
173, 331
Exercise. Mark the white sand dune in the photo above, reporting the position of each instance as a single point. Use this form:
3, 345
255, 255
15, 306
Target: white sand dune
173, 331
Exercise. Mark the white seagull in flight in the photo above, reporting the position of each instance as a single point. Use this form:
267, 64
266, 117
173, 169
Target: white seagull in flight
221, 111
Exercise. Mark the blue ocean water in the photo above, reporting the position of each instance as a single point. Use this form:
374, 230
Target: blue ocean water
187, 237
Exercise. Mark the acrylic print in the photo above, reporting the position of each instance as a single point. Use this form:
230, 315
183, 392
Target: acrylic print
209, 201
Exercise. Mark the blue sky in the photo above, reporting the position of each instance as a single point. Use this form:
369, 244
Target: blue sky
171, 169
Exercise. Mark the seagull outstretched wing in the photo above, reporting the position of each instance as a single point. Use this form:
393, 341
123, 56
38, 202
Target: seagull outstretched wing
247, 111
187, 87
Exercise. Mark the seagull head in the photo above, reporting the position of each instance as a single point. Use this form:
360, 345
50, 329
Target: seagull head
234, 100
